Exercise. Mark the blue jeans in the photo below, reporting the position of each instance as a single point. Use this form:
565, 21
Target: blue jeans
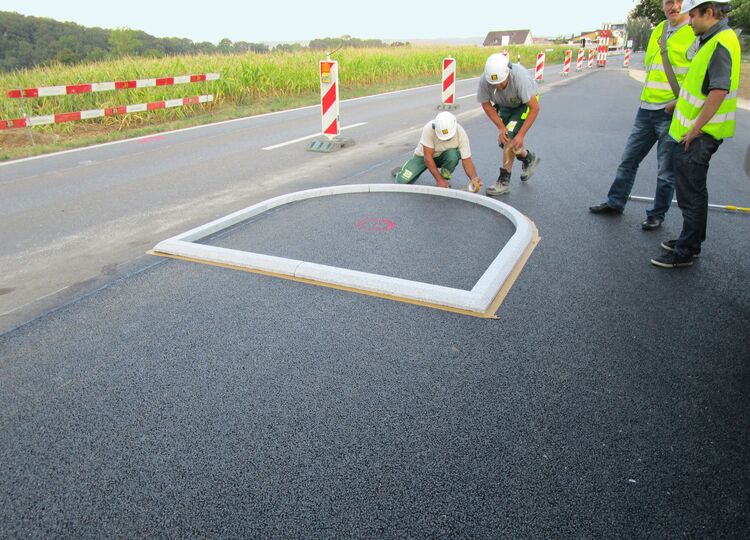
649, 128
691, 169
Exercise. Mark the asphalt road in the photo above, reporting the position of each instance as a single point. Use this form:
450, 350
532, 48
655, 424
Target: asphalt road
72, 222
608, 400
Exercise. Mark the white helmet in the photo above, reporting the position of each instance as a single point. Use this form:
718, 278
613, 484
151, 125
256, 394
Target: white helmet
692, 4
496, 68
445, 125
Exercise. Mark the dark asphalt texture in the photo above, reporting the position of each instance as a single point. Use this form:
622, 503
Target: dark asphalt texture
610, 398
407, 236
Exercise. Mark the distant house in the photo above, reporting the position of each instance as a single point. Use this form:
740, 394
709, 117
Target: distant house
617, 38
503, 38
590, 37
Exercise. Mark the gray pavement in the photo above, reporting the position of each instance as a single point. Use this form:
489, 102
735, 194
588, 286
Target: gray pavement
608, 400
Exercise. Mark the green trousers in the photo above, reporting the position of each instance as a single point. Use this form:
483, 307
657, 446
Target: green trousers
412, 169
513, 118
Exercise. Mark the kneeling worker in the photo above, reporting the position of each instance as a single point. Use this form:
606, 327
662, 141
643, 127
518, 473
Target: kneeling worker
442, 144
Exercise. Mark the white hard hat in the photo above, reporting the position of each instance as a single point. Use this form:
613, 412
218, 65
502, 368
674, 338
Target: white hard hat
692, 4
445, 125
496, 68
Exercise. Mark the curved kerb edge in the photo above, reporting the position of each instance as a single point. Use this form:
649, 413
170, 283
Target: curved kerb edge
478, 300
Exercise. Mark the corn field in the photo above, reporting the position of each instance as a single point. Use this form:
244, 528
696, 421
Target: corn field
245, 79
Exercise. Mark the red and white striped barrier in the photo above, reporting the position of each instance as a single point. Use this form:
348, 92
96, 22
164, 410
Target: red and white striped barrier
67, 90
626, 62
540, 59
98, 113
329, 98
604, 37
601, 58
579, 63
566, 65
449, 83
591, 58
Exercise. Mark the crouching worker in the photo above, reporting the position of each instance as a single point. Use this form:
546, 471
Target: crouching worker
442, 145
508, 95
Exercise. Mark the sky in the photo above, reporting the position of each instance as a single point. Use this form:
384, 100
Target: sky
293, 20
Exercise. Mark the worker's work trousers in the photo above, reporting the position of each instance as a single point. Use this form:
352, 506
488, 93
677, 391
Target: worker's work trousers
513, 118
649, 128
691, 172
412, 169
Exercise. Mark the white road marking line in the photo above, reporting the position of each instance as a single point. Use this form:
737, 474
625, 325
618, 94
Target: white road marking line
37, 300
468, 96
275, 146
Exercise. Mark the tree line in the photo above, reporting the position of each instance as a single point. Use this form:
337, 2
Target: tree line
648, 13
27, 41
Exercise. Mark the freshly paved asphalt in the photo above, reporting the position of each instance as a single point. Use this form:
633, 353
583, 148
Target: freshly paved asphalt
609, 398
410, 242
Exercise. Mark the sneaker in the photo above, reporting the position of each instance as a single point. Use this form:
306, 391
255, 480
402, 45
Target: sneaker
500, 188
528, 166
651, 223
671, 245
672, 260
604, 208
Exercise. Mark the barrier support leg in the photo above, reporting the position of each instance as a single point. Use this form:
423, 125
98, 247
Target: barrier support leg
26, 117
326, 146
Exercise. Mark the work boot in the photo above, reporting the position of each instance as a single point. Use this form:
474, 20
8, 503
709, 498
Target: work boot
502, 185
651, 223
528, 164
604, 208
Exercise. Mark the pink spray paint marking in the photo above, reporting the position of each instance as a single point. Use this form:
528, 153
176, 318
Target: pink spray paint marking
152, 139
375, 225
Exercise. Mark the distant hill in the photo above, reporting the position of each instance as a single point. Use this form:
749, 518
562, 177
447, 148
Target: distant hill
28, 41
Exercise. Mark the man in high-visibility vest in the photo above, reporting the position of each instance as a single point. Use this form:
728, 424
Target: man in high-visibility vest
704, 115
652, 122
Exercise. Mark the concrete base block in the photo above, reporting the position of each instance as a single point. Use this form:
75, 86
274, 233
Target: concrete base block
447, 107
327, 146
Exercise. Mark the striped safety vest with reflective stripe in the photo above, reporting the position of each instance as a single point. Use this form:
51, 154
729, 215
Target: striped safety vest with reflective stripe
692, 98
657, 89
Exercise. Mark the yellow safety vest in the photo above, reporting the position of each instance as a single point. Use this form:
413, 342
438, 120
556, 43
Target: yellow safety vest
692, 98
657, 89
